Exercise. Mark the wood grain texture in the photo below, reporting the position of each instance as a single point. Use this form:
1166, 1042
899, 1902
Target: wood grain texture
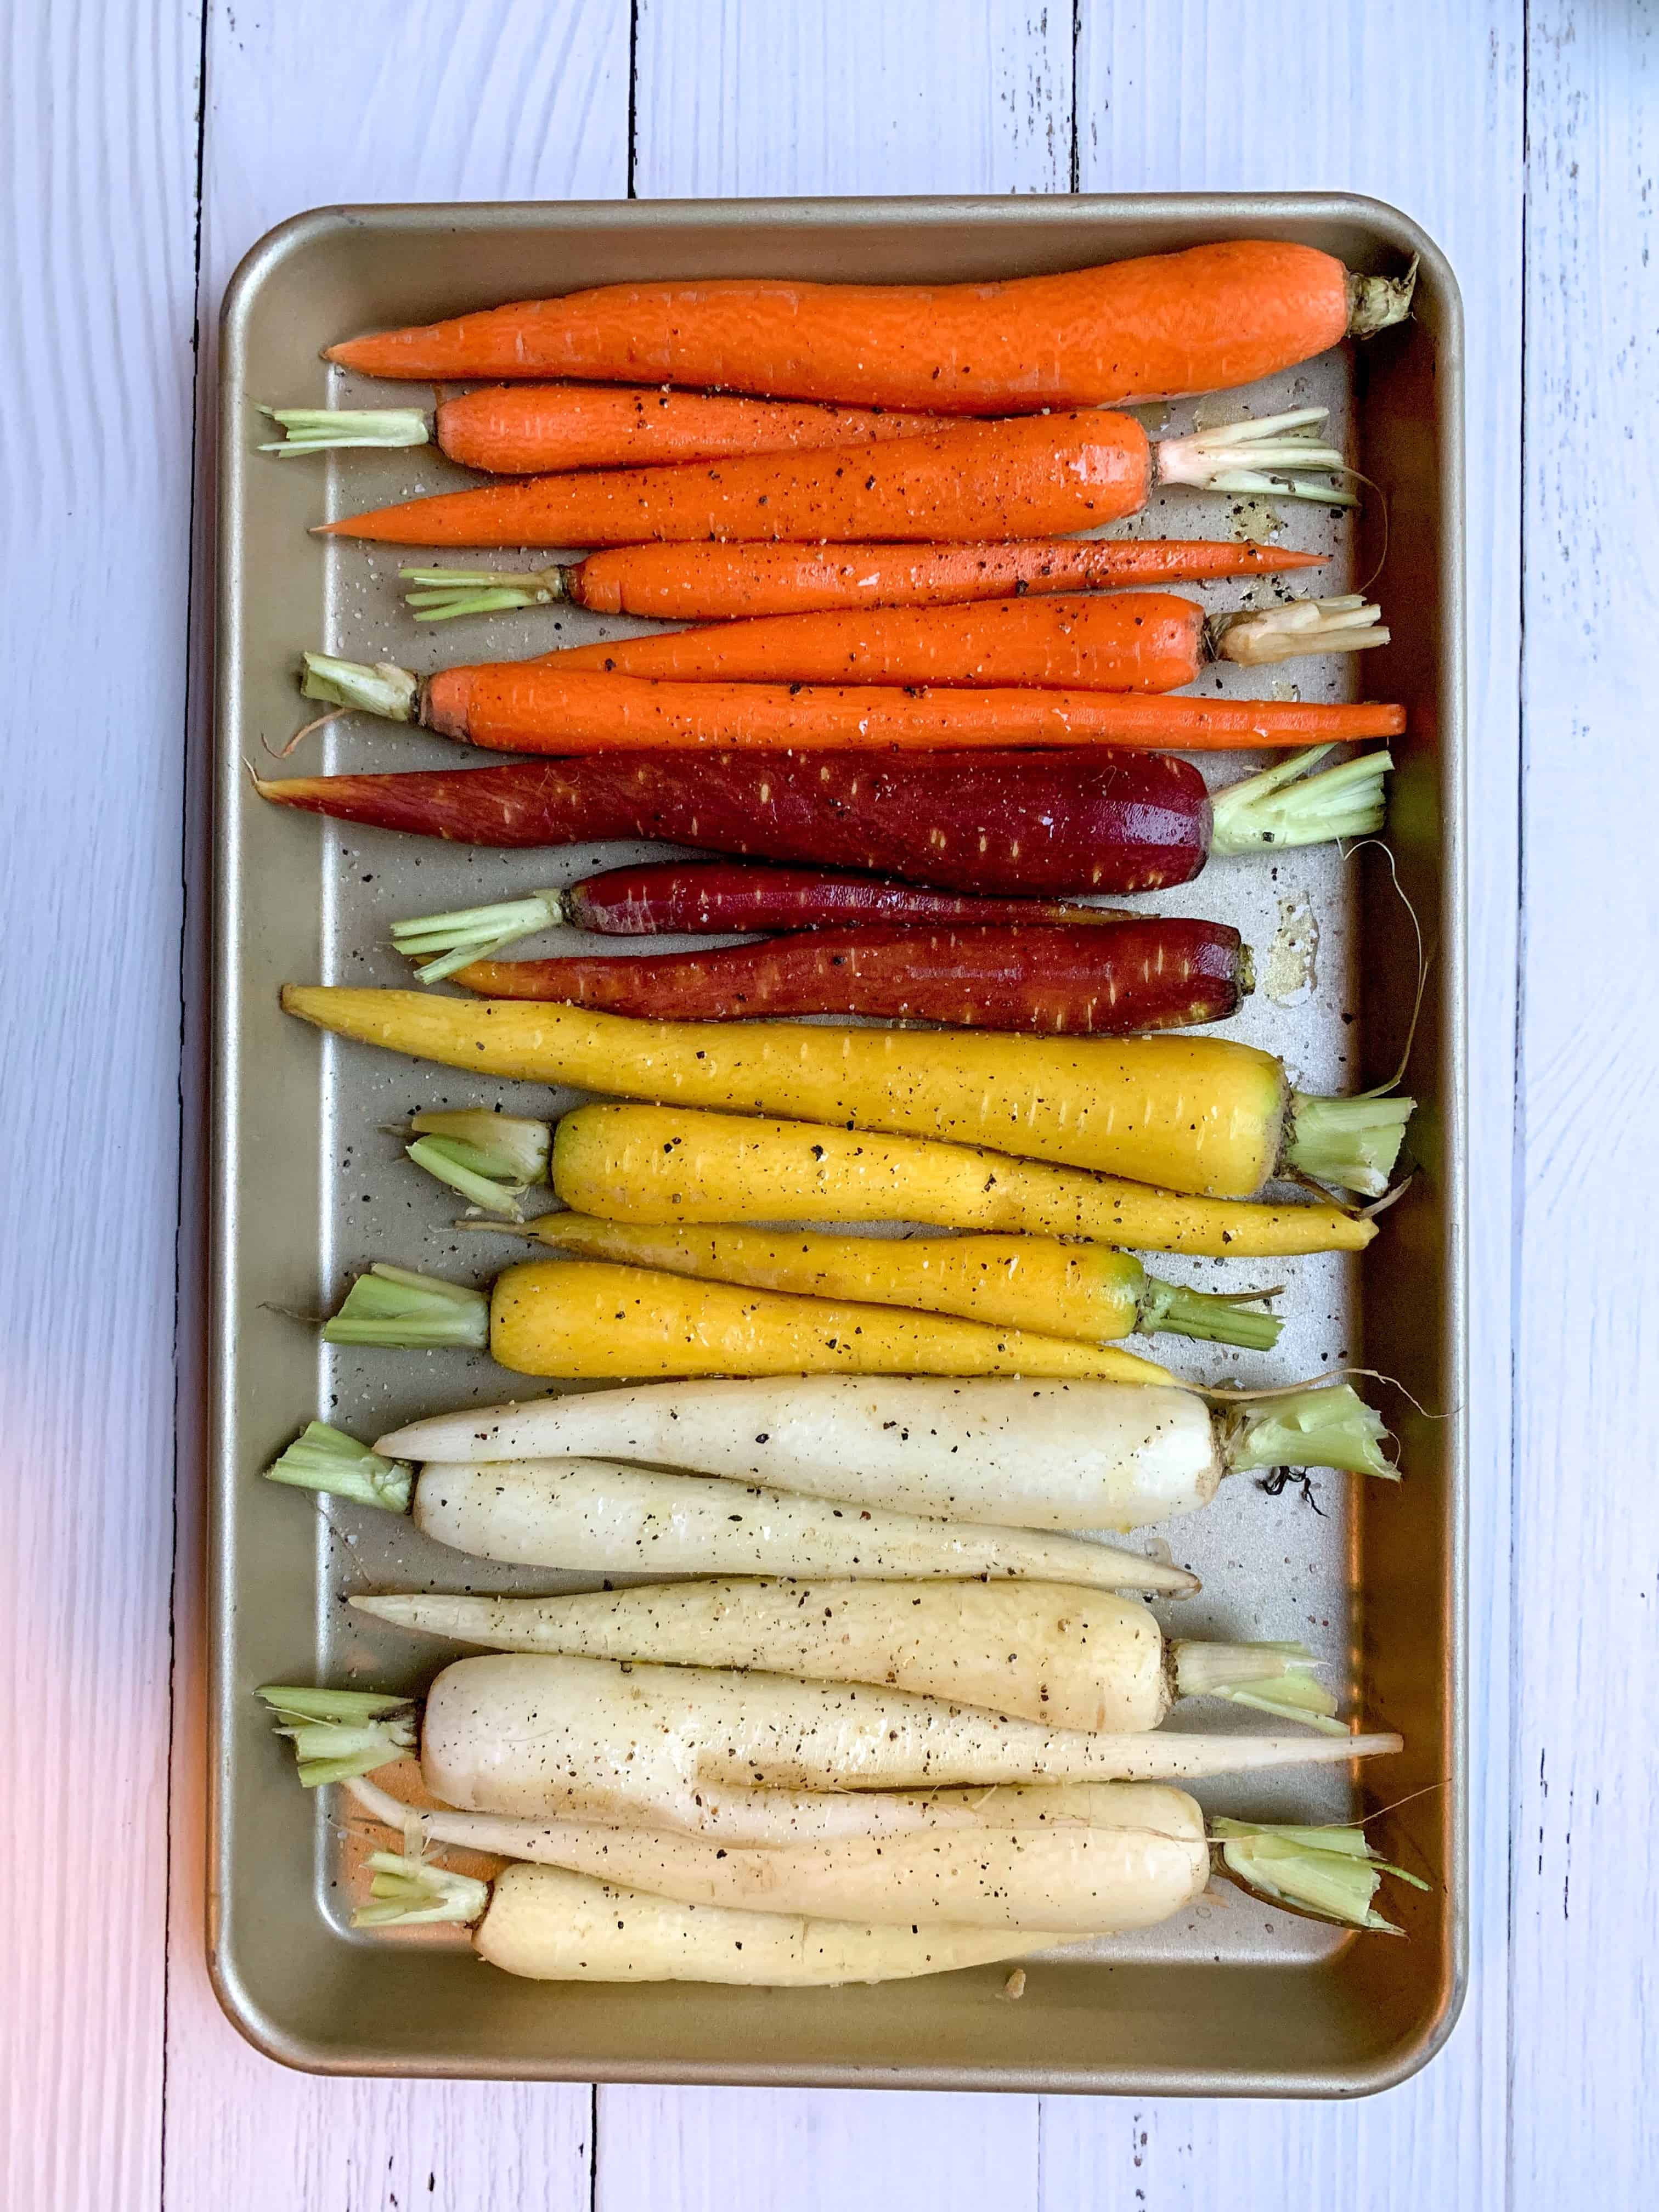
311, 103
95, 475
759, 2150
754, 99
1585, 1999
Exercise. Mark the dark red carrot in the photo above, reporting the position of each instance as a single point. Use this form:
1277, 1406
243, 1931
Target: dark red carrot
1193, 321
724, 582
718, 895
658, 896
1008, 824
1152, 973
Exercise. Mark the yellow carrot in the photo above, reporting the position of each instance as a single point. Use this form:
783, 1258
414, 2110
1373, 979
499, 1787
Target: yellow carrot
1185, 1113
585, 1321
660, 1164
1084, 1292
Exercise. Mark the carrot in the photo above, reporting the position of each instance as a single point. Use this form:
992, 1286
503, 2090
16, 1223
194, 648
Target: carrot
1016, 479
1194, 321
1024, 478
1202, 1115
657, 897
663, 1165
1125, 641
1031, 825
519, 430
535, 707
716, 583
1150, 974
1128, 641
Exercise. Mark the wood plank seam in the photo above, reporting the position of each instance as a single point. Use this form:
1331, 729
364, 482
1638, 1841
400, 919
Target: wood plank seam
188, 926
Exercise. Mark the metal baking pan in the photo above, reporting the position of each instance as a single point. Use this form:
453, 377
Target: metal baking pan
1235, 1999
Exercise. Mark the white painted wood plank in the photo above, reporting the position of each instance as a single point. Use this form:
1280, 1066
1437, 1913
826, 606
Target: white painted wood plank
1586, 1859
96, 257
756, 2150
1164, 104
311, 103
749, 97
837, 96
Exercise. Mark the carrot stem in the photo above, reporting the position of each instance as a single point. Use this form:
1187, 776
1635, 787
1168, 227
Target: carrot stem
394, 1306
439, 944
392, 693
454, 592
325, 1459
1350, 623
1328, 1426
1279, 807
327, 429
338, 1733
491, 1158
1331, 1873
407, 1890
1170, 1308
1265, 456
1376, 302
1351, 1142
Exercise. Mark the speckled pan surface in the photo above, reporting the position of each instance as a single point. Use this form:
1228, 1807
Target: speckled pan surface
309, 1187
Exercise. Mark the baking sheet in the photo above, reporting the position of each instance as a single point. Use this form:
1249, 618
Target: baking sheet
310, 1187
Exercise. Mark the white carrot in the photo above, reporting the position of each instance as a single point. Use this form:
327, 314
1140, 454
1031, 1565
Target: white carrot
1037, 1650
544, 1919
555, 1926
594, 1517
1078, 1454
704, 1749
1108, 1858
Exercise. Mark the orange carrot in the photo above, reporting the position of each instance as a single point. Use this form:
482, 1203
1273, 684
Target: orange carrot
1126, 641
1195, 321
715, 583
528, 707
721, 583
524, 429
1014, 479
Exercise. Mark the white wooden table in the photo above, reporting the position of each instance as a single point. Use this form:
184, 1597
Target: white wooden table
148, 144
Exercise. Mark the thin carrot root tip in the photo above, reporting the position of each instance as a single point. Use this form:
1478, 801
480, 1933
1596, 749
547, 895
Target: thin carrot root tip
1347, 624
1276, 455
